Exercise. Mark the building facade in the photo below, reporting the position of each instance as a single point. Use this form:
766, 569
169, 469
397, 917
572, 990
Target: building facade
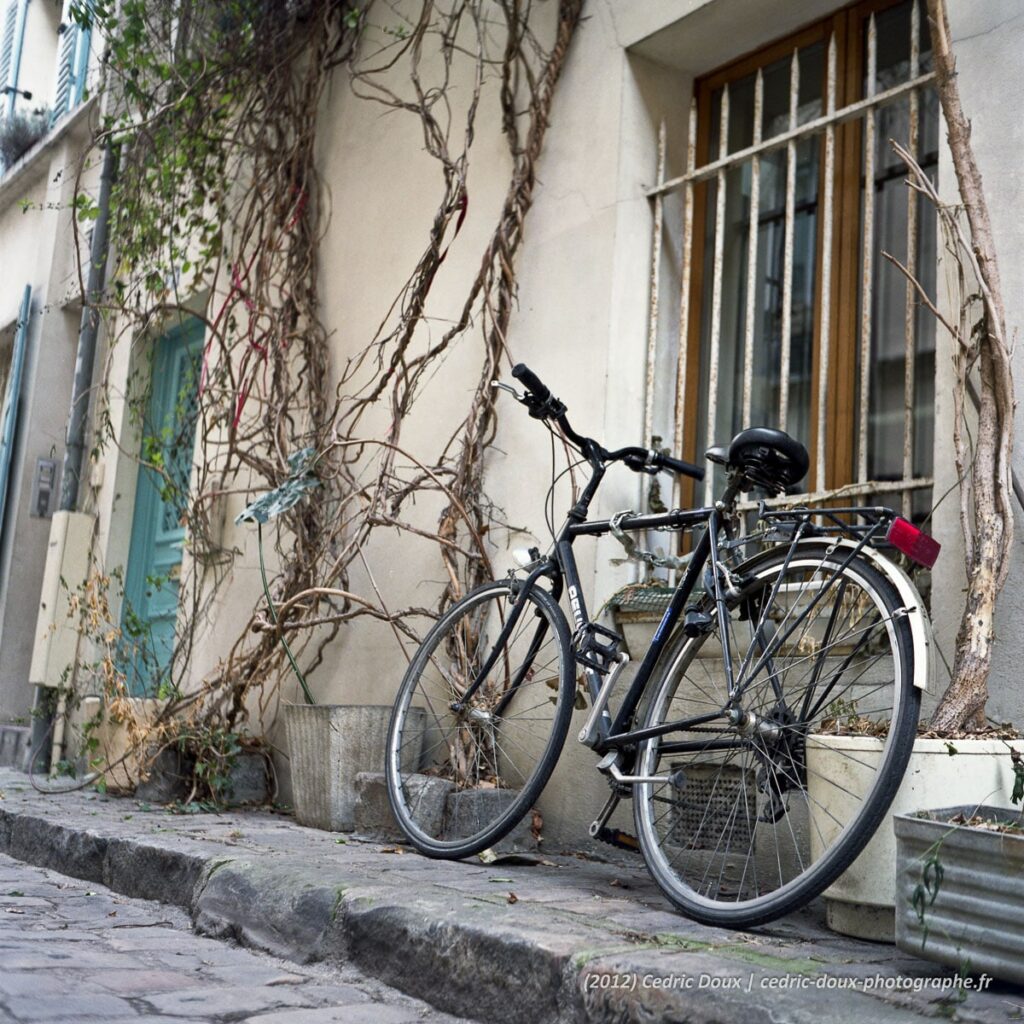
705, 252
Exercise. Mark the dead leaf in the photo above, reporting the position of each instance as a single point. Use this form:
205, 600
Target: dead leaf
391, 849
513, 898
536, 824
487, 856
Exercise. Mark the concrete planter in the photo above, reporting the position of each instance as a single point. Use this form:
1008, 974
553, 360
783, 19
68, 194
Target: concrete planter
328, 746
862, 900
973, 915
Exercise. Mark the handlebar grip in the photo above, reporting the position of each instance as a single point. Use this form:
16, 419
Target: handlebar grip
531, 382
681, 467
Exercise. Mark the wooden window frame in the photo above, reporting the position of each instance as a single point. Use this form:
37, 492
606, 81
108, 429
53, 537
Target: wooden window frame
840, 441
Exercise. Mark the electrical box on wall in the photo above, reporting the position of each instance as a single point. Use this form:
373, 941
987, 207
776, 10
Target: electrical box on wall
67, 568
44, 488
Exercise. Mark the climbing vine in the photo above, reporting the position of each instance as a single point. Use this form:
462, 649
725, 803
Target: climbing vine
218, 213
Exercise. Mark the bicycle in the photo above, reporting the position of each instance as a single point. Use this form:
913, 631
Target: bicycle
757, 660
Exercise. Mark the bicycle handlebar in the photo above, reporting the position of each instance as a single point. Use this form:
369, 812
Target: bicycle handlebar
543, 405
531, 382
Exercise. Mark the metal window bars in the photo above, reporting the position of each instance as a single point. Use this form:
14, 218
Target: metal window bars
717, 170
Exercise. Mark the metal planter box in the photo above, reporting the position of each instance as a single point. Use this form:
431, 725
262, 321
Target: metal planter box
976, 919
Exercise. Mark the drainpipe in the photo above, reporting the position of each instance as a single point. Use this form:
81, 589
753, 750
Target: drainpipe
87, 332
43, 717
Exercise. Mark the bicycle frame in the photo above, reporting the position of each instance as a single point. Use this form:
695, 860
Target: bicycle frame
618, 734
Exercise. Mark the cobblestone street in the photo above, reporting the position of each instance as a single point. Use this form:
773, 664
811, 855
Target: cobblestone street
77, 952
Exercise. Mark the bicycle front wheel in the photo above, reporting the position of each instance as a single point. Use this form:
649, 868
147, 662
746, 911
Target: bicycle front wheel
467, 762
768, 798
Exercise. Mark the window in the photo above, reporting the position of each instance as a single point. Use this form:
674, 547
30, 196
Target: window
43, 69
789, 314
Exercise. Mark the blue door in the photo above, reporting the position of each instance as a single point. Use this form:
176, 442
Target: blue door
151, 583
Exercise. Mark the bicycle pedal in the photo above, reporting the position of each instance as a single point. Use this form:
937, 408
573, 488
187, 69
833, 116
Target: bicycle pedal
616, 837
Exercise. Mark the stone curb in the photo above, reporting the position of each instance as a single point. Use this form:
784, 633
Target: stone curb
463, 956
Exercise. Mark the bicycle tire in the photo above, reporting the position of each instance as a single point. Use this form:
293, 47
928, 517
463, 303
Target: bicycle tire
747, 781
468, 749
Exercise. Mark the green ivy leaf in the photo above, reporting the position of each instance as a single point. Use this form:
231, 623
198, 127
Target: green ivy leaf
288, 494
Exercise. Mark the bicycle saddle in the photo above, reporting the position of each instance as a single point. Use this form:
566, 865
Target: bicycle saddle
768, 458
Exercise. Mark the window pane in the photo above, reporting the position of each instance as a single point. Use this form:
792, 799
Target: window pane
766, 391
887, 403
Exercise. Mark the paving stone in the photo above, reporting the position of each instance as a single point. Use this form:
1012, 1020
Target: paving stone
142, 981
287, 911
69, 1006
427, 795
250, 973
27, 983
247, 780
468, 810
211, 1001
368, 1013
153, 871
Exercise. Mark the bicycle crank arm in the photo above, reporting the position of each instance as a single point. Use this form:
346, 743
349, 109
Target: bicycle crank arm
609, 766
600, 831
606, 812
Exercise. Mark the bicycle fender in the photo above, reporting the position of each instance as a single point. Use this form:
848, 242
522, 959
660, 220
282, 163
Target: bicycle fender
920, 624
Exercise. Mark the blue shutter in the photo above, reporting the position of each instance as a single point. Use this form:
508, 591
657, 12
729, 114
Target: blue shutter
66, 49
10, 411
10, 22
12, 37
72, 61
81, 70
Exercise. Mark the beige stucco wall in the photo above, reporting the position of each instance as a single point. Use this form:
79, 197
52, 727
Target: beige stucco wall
35, 226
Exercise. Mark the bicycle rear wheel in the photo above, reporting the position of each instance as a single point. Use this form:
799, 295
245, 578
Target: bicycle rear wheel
764, 804
463, 772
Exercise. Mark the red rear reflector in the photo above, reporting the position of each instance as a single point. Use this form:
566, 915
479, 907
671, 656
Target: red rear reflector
912, 542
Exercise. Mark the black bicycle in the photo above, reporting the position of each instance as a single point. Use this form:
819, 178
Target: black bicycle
766, 729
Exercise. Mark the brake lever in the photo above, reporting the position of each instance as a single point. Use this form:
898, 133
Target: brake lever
634, 463
519, 396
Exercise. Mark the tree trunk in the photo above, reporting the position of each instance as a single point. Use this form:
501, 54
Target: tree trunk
988, 479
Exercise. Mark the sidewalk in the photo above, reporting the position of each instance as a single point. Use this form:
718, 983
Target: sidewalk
563, 940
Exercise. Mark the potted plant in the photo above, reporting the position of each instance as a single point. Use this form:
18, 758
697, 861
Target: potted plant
328, 744
959, 898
